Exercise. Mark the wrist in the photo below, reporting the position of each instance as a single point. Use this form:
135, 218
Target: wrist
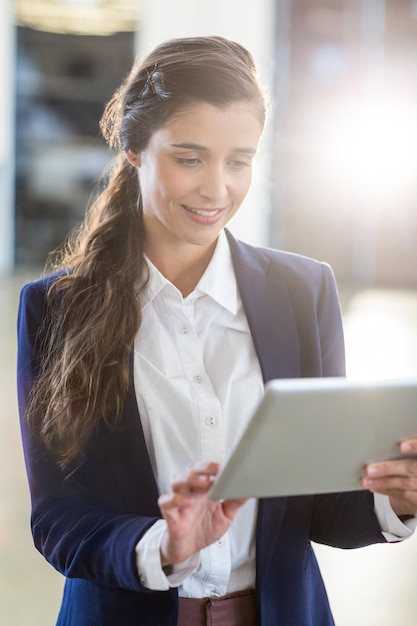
166, 561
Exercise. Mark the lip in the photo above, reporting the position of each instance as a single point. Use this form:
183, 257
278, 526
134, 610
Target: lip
203, 215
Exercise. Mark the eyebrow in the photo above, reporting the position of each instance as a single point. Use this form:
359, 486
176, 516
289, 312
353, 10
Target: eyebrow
200, 148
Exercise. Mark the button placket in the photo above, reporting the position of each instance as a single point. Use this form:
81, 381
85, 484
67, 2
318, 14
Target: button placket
207, 408
220, 568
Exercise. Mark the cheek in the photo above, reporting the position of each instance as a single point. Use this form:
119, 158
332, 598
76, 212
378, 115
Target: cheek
166, 183
175, 185
244, 185
152, 188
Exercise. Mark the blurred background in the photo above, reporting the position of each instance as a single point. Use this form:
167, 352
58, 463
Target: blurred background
336, 179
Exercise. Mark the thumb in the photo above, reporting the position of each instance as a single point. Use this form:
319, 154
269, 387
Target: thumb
231, 507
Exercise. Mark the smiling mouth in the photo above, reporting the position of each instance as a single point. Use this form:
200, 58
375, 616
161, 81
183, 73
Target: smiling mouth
203, 212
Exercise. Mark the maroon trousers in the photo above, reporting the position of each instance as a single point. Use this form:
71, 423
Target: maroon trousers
235, 609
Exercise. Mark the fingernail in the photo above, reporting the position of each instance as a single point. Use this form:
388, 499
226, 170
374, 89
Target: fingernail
406, 448
372, 470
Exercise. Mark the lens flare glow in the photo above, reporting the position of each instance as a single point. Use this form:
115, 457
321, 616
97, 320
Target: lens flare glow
372, 144
381, 335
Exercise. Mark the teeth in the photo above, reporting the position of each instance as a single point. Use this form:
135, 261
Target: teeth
203, 213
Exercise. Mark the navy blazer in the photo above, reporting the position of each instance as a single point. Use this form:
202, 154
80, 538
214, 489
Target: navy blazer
87, 520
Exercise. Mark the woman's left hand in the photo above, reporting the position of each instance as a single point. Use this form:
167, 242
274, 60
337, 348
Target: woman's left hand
396, 479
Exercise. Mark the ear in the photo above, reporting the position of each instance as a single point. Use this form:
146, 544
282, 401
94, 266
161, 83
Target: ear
133, 158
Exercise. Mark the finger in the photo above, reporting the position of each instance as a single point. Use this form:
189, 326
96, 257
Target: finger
193, 488
409, 446
231, 507
169, 502
399, 467
210, 468
391, 484
192, 483
196, 469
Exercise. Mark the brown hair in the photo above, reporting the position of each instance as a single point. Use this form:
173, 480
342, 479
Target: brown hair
93, 306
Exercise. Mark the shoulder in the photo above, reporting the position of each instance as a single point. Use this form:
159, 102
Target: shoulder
37, 290
33, 296
289, 267
42, 284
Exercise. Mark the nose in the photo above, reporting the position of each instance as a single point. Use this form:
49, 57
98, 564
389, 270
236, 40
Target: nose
213, 183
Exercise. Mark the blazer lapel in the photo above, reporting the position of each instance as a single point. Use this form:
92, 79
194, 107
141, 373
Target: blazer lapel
269, 312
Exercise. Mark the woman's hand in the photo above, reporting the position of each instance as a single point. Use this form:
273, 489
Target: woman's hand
396, 479
194, 521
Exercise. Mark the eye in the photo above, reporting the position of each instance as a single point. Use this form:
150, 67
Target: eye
239, 164
188, 161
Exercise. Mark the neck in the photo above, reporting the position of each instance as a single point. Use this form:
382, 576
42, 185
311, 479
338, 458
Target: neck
183, 267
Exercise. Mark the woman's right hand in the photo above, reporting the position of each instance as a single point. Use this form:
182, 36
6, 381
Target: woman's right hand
193, 520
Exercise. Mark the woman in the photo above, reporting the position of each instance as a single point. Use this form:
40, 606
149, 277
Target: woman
144, 355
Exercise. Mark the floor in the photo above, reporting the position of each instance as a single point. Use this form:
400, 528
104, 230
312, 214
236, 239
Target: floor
373, 586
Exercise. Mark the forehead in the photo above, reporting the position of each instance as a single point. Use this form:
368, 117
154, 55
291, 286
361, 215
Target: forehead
236, 122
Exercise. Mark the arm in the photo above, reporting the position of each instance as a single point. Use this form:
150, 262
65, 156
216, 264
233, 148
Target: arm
397, 479
81, 522
345, 520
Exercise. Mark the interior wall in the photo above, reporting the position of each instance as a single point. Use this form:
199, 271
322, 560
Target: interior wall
7, 48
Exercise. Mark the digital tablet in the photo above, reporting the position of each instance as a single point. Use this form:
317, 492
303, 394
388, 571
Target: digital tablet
314, 435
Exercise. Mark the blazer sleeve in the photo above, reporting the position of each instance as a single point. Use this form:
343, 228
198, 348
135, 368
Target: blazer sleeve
82, 534
330, 327
344, 520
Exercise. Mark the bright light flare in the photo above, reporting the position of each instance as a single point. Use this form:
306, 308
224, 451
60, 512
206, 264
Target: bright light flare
372, 144
381, 335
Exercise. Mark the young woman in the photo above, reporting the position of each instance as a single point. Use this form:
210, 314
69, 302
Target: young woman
143, 355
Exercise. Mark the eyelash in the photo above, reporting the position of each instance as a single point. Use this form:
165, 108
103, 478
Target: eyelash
240, 164
192, 162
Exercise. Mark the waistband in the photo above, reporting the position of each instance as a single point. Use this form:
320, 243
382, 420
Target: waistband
234, 609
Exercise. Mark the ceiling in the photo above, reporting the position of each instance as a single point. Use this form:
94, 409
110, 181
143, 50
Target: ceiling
79, 17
